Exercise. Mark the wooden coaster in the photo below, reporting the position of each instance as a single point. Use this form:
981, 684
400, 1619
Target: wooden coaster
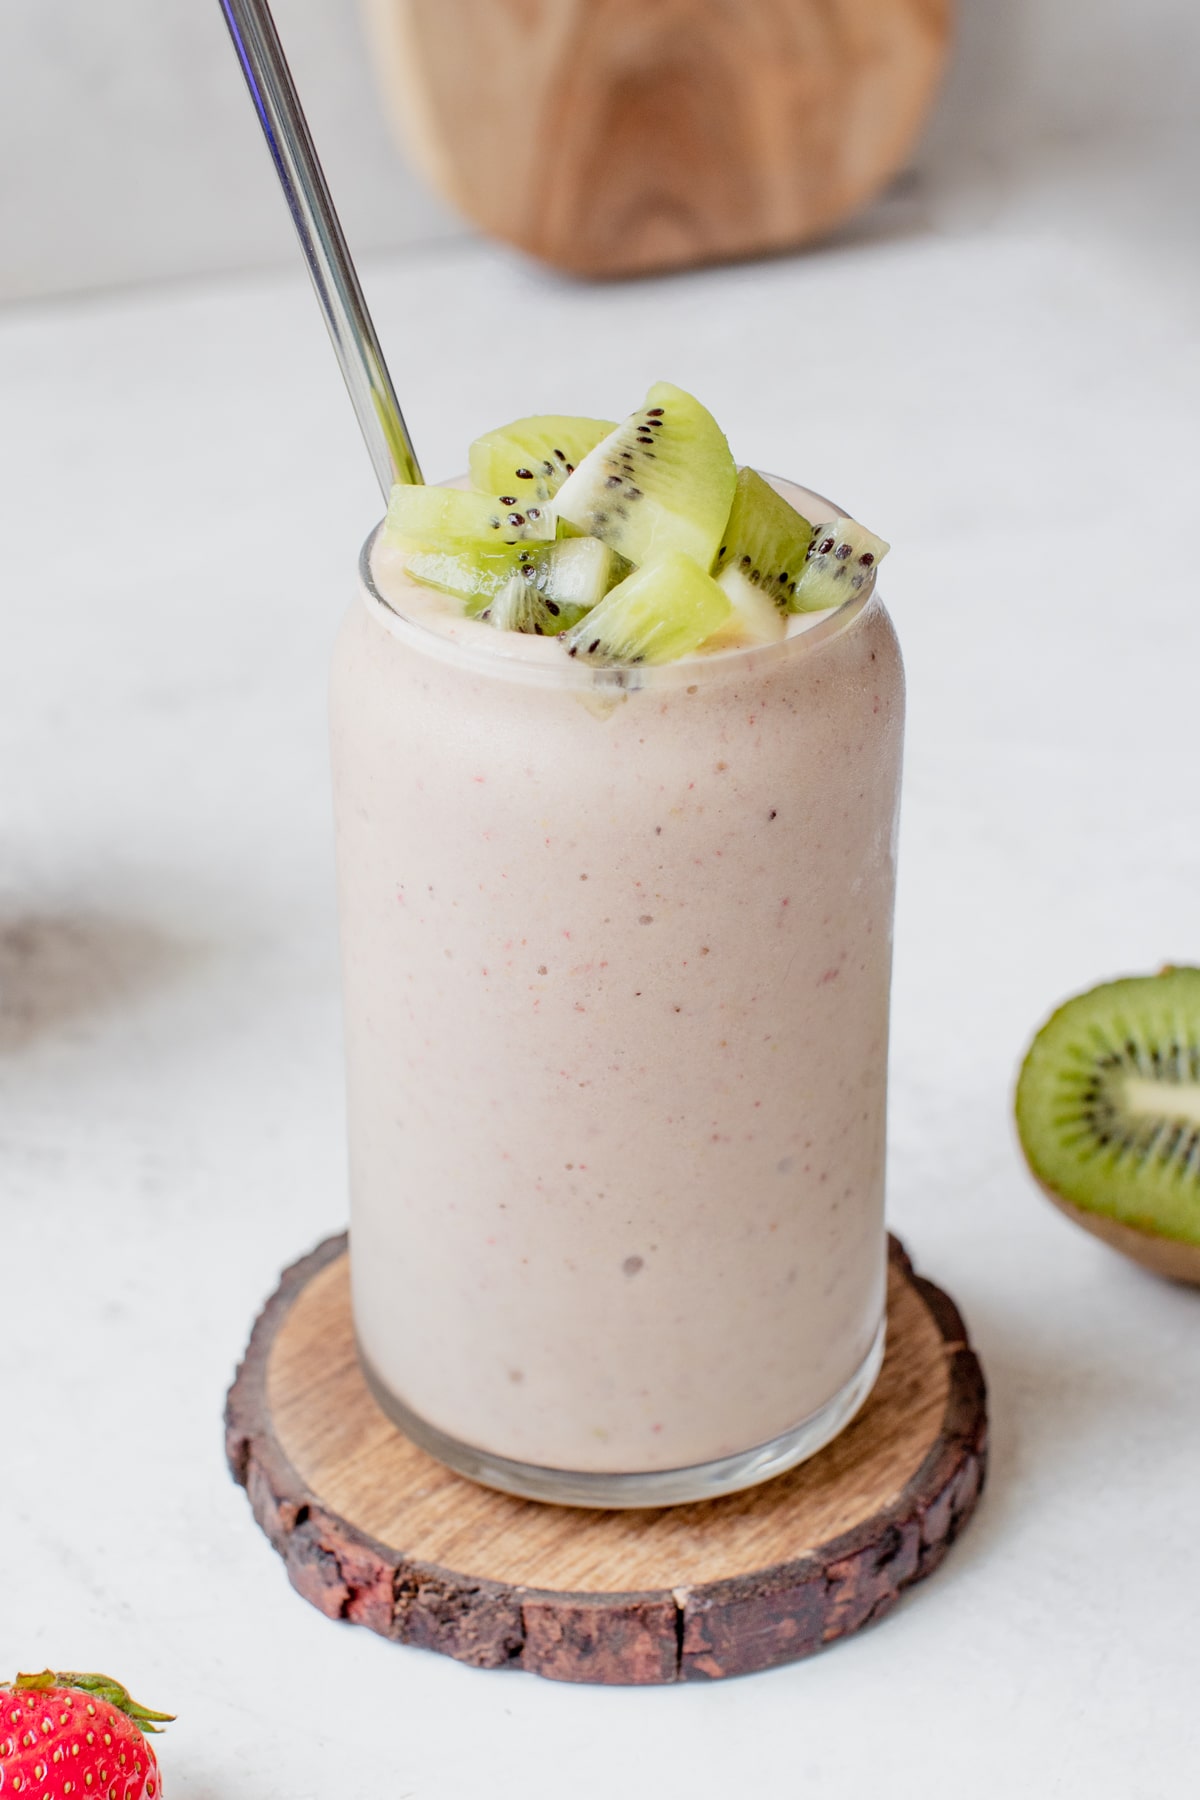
375, 1531
612, 137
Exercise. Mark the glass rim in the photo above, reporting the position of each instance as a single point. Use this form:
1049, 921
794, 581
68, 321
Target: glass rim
486, 656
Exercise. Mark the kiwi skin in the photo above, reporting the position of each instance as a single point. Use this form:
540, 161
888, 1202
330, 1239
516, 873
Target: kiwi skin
1169, 1257
1100, 1197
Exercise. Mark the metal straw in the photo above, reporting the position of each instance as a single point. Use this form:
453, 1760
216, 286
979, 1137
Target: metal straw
323, 241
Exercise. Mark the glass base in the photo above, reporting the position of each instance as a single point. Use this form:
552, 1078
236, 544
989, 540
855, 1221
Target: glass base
657, 1487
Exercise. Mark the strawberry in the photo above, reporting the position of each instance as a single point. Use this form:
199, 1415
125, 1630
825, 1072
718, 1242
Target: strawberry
77, 1735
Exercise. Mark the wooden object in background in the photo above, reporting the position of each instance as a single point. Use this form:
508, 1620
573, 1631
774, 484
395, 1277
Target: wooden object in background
611, 137
374, 1531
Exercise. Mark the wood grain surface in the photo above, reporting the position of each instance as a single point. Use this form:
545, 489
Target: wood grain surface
611, 137
374, 1531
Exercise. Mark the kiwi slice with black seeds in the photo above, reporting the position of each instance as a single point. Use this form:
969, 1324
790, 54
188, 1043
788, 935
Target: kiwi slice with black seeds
521, 605
553, 587
662, 481
762, 555
472, 572
575, 572
842, 559
528, 461
424, 516
1108, 1113
664, 610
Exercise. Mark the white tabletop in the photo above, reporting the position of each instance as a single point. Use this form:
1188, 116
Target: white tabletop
1010, 397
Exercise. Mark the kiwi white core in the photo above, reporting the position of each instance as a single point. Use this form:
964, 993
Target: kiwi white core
1147, 1098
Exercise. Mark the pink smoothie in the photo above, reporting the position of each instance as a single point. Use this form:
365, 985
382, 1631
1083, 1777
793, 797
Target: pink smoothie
616, 963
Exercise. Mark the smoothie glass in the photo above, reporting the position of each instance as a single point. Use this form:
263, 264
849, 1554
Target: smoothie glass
616, 957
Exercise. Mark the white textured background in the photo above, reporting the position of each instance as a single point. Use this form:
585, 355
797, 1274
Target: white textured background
1007, 385
128, 152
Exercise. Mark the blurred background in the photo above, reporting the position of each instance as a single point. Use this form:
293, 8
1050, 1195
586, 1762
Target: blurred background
128, 153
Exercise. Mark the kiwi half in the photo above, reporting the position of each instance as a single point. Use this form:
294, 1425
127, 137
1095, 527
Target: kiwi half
1108, 1112
662, 481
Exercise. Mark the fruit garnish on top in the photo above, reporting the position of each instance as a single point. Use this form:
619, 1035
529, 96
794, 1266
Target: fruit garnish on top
70, 1734
635, 543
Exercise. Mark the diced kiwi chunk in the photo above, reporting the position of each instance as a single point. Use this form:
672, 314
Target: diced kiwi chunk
578, 571
472, 572
1108, 1103
575, 573
762, 554
664, 610
554, 586
436, 517
663, 481
842, 559
521, 605
528, 461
